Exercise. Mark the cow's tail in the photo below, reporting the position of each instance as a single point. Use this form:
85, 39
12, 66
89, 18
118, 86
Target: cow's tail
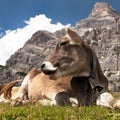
7, 88
106, 99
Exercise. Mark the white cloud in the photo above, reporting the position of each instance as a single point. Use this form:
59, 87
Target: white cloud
15, 39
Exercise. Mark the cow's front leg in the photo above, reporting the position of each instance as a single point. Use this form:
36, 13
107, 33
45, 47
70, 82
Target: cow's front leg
57, 98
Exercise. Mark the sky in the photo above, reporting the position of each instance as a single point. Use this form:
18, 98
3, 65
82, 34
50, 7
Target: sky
19, 19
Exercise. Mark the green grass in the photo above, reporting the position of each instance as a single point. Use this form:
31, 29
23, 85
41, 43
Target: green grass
38, 112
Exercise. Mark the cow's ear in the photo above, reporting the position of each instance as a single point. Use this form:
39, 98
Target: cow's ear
75, 38
98, 78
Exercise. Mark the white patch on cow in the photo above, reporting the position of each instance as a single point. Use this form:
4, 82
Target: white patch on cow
105, 99
47, 102
48, 66
3, 100
73, 101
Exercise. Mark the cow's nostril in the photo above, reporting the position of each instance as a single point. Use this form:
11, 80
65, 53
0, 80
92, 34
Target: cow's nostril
43, 65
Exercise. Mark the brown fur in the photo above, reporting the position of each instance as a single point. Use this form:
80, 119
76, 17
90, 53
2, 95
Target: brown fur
14, 90
33, 73
7, 91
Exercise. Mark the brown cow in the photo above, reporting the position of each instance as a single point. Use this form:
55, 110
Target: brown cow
69, 90
79, 79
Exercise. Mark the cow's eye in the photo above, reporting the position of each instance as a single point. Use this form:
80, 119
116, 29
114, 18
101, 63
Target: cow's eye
65, 43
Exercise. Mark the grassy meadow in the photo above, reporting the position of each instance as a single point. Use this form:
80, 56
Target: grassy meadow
38, 112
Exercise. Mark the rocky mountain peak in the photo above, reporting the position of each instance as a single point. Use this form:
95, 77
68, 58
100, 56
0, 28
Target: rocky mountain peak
102, 9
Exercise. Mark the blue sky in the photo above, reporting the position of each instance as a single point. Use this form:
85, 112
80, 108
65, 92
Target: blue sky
19, 19
14, 12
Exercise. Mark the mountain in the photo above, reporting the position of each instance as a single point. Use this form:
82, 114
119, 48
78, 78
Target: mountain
101, 30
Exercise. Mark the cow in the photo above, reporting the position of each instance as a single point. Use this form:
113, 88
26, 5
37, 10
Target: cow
69, 90
72, 57
71, 75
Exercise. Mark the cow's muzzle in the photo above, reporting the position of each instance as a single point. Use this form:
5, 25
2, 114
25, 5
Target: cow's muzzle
48, 68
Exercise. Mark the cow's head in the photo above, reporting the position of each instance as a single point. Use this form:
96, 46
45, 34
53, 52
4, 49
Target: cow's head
70, 57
